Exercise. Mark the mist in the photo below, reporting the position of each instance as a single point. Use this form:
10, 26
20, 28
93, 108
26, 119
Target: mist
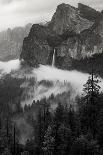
75, 78
7, 67
62, 80
25, 129
65, 85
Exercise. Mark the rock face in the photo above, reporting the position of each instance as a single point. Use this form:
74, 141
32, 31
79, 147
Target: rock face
11, 42
35, 48
72, 33
67, 17
88, 12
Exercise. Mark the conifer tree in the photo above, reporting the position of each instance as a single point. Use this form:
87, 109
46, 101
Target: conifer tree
49, 141
89, 104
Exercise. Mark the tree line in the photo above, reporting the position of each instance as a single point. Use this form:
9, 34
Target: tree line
63, 131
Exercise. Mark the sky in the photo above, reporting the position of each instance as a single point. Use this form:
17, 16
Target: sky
20, 12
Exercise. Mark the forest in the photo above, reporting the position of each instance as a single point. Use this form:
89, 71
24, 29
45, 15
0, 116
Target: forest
62, 130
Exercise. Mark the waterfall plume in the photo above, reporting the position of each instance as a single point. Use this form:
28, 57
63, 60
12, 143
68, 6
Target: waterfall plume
53, 60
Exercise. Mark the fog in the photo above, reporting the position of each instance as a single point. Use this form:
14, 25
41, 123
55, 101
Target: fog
25, 129
62, 80
75, 78
7, 67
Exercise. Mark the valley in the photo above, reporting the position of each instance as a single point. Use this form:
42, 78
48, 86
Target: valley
51, 85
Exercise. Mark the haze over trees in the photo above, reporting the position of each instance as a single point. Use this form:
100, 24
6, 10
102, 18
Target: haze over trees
59, 131
53, 126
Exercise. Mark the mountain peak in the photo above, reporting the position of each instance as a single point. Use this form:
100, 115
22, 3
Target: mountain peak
68, 17
88, 12
64, 6
74, 32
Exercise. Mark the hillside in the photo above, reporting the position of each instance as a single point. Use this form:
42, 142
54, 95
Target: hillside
73, 35
11, 42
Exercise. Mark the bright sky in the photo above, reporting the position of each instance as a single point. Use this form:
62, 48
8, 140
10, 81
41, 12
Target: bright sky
20, 12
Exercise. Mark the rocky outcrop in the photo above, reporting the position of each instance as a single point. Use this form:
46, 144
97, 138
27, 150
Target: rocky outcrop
11, 42
67, 17
88, 12
72, 35
35, 48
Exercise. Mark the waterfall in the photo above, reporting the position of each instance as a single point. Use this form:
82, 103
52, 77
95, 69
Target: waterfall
53, 60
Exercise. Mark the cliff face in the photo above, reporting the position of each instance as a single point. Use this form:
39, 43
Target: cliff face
67, 17
72, 35
35, 48
88, 12
11, 42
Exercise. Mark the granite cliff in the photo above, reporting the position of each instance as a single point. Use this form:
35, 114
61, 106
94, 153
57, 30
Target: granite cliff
73, 33
11, 41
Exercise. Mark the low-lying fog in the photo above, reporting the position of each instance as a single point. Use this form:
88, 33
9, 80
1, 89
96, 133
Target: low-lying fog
47, 80
59, 78
7, 67
77, 79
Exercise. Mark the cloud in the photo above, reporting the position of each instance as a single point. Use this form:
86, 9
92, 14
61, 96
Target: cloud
77, 79
20, 12
5, 1
7, 67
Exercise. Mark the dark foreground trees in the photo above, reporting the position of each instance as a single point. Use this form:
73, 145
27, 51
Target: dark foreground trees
61, 131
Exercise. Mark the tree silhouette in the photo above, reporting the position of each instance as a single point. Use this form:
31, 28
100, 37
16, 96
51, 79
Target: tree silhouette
89, 107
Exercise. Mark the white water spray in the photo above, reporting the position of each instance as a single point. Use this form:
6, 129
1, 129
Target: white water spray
53, 60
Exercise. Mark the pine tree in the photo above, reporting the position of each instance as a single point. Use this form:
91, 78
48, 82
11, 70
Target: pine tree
89, 104
6, 139
6, 152
91, 87
65, 139
81, 146
59, 114
100, 128
49, 141
43, 121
